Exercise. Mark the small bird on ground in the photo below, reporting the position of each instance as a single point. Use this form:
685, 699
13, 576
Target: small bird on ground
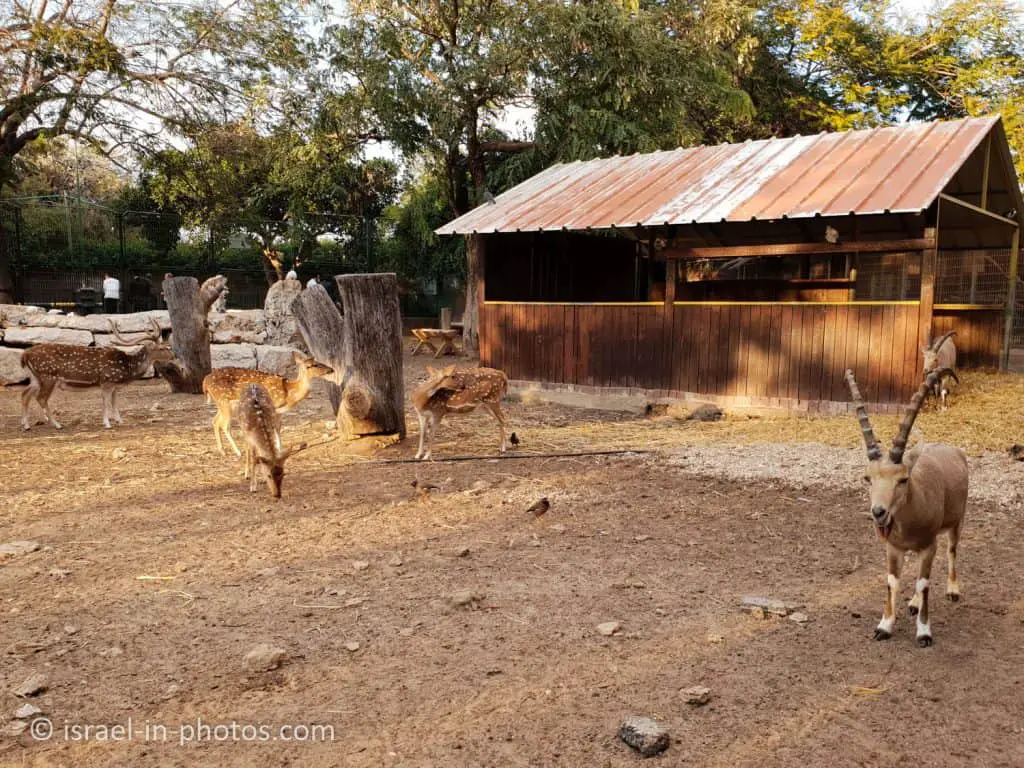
514, 439
540, 507
423, 489
1017, 452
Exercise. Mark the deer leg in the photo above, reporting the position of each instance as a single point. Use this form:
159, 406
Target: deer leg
224, 414
495, 408
43, 398
422, 421
113, 405
106, 405
953, 584
431, 425
32, 390
216, 433
894, 561
924, 632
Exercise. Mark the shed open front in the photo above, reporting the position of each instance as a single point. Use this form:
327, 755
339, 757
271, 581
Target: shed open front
756, 273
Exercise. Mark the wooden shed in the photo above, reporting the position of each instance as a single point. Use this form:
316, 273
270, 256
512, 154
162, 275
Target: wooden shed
756, 273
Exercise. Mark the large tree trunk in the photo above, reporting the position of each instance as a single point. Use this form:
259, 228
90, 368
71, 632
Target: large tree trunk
474, 293
6, 275
373, 402
188, 306
323, 329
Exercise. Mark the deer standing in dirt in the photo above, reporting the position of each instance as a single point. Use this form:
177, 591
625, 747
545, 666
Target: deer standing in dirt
78, 367
223, 388
938, 355
914, 498
457, 391
261, 425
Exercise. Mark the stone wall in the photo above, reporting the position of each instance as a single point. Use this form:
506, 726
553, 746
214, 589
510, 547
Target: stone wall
239, 336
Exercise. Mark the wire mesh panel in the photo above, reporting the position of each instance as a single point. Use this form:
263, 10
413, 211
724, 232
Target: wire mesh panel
888, 276
972, 276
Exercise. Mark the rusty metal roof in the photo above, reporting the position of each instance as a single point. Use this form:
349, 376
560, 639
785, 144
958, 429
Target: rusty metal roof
899, 169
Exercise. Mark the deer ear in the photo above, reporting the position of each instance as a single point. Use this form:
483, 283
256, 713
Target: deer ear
432, 371
449, 370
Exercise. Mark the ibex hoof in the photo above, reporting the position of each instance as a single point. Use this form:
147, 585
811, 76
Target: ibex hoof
953, 596
912, 610
881, 634
924, 641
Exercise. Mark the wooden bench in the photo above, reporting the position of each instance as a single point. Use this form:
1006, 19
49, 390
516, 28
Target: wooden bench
440, 342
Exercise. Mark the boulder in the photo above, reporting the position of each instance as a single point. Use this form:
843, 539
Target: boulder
233, 355
232, 336
91, 323
13, 314
28, 336
108, 340
276, 360
282, 328
139, 322
11, 371
239, 320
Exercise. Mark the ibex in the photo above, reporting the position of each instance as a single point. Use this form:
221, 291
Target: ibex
457, 391
223, 387
914, 498
938, 355
261, 425
82, 367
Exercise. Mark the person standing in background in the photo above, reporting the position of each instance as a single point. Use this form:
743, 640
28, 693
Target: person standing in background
315, 280
111, 293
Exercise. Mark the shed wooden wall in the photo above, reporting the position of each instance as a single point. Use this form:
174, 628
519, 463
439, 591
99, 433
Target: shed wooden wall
979, 334
761, 353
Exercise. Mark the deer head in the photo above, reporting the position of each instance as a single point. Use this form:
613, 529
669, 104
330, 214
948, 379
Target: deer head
888, 477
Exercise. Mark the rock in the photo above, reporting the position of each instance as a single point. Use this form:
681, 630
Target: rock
396, 561
12, 548
233, 355
406, 632
697, 695
119, 453
799, 618
25, 336
281, 326
479, 487
466, 597
17, 314
70, 629
766, 605
11, 371
276, 360
352, 647
59, 573
642, 538
360, 565
462, 552
354, 601
108, 340
25, 711
139, 322
609, 628
91, 323
238, 325
264, 658
35, 683
646, 736
705, 412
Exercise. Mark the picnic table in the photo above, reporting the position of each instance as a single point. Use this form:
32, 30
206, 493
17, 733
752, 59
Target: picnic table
441, 342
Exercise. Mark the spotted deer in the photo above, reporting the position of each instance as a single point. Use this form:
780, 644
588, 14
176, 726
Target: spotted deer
261, 426
77, 367
223, 388
457, 391
915, 496
941, 353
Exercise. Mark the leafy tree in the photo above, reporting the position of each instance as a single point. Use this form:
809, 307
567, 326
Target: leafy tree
115, 74
412, 249
436, 76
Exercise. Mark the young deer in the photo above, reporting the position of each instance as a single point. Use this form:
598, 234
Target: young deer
223, 387
82, 367
261, 425
457, 391
941, 354
914, 498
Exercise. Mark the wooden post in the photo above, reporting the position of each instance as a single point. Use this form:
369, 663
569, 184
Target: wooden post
1011, 298
323, 330
445, 321
373, 402
670, 283
188, 305
476, 254
928, 258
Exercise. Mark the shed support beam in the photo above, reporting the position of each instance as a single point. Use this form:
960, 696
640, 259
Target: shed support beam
1011, 298
791, 249
928, 259
975, 209
985, 171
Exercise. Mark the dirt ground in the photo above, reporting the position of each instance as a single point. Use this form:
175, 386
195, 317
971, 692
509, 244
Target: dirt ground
158, 572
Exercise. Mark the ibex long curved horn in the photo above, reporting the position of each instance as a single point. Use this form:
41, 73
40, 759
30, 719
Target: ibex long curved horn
941, 340
899, 443
874, 449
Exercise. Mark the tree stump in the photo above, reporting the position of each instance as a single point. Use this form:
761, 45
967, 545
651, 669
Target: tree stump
188, 305
374, 400
323, 330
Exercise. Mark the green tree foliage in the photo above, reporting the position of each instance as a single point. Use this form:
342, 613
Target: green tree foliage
412, 249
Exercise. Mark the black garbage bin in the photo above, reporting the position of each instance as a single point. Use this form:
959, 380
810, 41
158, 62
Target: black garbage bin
87, 301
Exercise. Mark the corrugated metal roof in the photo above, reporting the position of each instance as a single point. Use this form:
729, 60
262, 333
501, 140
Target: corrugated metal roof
899, 169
